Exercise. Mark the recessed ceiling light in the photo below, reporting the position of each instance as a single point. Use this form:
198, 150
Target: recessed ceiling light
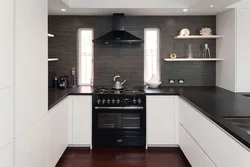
63, 10
211, 6
185, 10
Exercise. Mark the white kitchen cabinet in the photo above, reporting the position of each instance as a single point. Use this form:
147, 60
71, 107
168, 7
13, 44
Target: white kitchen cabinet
58, 131
6, 156
194, 154
161, 120
70, 120
82, 121
6, 43
6, 116
31, 62
31, 147
223, 149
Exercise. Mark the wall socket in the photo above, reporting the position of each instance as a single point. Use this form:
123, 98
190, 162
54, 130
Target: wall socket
181, 81
171, 81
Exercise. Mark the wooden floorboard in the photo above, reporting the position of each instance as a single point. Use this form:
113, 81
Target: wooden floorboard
78, 157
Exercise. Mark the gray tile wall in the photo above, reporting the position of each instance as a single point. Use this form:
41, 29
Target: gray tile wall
127, 60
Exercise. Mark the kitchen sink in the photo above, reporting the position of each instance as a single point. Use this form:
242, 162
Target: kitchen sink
241, 122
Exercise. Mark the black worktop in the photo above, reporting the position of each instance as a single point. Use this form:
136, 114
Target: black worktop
214, 102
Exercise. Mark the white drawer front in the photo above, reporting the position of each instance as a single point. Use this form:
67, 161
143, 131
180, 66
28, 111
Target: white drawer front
194, 154
223, 150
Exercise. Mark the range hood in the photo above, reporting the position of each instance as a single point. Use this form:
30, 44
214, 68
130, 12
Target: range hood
118, 34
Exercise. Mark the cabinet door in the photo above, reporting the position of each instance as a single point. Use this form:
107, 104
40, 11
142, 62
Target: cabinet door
6, 116
6, 156
58, 131
31, 63
6, 42
82, 120
160, 120
31, 147
192, 151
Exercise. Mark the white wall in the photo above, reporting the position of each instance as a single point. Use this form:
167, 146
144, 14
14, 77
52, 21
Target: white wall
226, 49
31, 63
243, 52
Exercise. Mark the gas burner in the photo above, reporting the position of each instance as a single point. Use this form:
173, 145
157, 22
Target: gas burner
134, 91
103, 90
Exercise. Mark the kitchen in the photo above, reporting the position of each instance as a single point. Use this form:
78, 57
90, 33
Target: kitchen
196, 116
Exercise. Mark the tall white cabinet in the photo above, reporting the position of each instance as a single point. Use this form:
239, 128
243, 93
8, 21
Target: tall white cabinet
233, 48
31, 63
6, 84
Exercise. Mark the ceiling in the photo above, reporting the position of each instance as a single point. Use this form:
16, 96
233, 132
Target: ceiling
142, 7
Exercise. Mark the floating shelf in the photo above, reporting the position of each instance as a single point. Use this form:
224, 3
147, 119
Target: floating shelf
52, 59
51, 35
194, 59
199, 37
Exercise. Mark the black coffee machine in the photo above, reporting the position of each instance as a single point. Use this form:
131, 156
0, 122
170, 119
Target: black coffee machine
63, 82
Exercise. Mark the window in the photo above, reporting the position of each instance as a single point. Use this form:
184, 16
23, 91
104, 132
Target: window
85, 56
151, 53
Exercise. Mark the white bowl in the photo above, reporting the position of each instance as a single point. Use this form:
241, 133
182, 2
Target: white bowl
153, 85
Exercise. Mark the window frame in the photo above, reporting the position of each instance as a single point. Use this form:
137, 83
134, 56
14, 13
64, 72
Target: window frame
79, 64
158, 53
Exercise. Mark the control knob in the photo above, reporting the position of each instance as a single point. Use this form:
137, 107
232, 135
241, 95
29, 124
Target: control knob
108, 101
99, 101
113, 101
139, 101
134, 101
103, 101
118, 101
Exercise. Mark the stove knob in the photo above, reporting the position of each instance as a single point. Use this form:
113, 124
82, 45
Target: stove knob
126, 101
108, 101
118, 101
134, 101
103, 101
113, 101
139, 101
99, 101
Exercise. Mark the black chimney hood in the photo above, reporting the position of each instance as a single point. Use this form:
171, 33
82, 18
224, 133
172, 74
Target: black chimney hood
118, 34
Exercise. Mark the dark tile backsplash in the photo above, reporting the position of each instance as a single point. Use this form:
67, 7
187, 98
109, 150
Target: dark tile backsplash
127, 60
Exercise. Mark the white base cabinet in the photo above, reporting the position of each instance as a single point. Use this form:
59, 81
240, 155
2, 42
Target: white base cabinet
6, 156
194, 154
80, 123
58, 131
161, 121
220, 147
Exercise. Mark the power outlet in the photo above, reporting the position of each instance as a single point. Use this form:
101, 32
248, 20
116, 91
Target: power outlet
181, 81
171, 81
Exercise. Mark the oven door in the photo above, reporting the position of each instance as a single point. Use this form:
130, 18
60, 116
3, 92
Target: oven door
122, 121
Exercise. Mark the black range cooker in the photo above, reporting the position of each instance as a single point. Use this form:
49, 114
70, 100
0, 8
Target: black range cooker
119, 118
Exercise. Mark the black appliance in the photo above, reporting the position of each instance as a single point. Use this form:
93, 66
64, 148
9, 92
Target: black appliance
118, 118
64, 81
118, 34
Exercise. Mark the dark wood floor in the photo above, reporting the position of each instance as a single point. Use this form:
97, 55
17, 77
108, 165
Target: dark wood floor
78, 157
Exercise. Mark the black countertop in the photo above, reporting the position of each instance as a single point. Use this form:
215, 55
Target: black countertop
214, 102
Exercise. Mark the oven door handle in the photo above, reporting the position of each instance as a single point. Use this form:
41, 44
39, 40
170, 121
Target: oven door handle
119, 108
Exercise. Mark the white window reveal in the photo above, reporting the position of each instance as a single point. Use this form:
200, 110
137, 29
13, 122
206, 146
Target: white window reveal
85, 56
151, 53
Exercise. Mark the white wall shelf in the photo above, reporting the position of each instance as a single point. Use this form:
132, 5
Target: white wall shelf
198, 37
52, 59
51, 35
194, 59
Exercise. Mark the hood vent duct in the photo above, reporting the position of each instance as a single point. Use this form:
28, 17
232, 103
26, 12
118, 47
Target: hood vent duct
118, 34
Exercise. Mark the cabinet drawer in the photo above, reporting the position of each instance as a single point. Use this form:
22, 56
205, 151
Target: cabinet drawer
194, 154
221, 148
